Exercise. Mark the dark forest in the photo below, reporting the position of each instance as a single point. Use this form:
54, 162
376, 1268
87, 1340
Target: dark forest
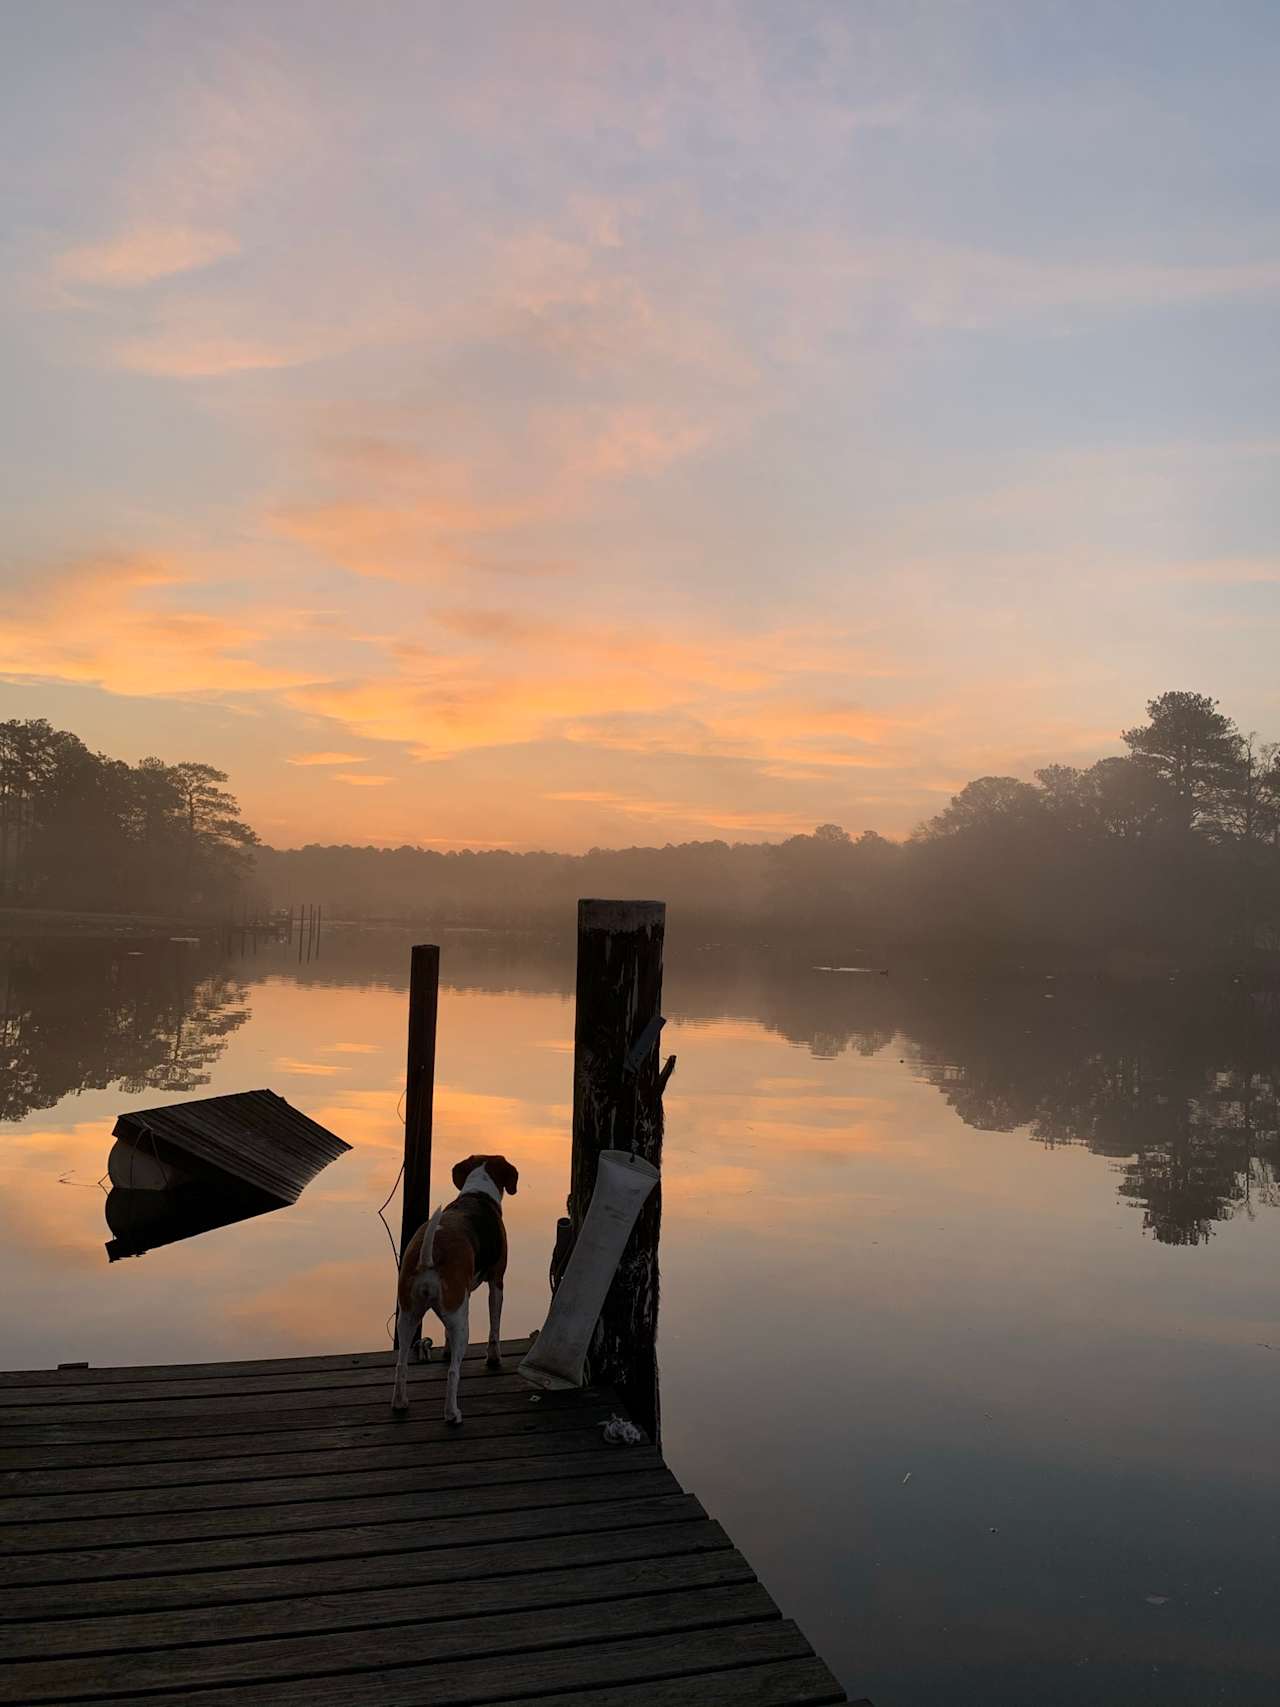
1172, 847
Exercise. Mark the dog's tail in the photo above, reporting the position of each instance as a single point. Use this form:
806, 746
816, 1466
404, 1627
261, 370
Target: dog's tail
429, 1239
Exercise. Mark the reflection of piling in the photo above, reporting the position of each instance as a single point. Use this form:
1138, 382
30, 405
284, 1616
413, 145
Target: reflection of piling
617, 1102
275, 926
419, 1088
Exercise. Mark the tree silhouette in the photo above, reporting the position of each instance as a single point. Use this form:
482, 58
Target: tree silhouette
1194, 748
79, 830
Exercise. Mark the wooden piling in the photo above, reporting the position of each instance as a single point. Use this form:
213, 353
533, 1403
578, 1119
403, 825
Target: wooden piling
420, 1078
617, 1104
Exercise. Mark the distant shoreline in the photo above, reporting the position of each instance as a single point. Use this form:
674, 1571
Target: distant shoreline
700, 936
21, 923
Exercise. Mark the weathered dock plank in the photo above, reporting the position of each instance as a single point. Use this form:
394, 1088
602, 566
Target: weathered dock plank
245, 1534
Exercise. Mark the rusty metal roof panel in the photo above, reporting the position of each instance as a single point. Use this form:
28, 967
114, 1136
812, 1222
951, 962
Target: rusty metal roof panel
255, 1137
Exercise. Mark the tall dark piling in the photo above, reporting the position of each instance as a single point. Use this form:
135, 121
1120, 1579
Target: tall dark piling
419, 1088
617, 1104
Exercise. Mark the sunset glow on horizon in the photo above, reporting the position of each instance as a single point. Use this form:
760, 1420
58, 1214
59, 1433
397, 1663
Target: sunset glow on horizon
571, 425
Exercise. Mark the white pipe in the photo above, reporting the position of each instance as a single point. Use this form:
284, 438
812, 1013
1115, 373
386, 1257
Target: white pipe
557, 1356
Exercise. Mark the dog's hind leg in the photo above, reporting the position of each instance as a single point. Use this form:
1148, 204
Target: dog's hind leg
493, 1359
408, 1326
458, 1329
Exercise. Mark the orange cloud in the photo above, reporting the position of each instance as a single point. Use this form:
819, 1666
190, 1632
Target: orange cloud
763, 822
521, 677
400, 541
401, 512
91, 621
144, 253
326, 759
178, 354
364, 780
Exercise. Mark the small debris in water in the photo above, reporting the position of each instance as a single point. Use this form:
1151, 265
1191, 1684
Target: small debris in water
905, 1479
1157, 1599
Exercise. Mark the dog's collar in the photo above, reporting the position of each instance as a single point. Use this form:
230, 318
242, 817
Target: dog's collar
478, 1180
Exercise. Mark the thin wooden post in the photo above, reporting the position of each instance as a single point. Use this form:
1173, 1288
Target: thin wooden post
419, 1088
617, 1104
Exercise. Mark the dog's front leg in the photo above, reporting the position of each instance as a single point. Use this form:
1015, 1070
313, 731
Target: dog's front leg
458, 1329
494, 1358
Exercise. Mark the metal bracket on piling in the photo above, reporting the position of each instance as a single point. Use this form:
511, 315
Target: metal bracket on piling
643, 1044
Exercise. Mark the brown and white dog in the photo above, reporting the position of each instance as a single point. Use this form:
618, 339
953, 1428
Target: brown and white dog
462, 1244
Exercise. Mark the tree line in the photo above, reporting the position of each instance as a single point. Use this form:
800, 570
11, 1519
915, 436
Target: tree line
82, 831
1173, 846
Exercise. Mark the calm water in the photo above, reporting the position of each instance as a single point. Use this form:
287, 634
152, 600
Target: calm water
969, 1322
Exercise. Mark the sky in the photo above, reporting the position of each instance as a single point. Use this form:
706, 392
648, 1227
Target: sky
611, 424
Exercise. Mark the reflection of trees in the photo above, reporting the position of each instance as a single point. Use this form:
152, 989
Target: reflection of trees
81, 1016
1182, 1090
1178, 1087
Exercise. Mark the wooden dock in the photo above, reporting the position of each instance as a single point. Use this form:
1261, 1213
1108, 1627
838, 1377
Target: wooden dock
264, 1535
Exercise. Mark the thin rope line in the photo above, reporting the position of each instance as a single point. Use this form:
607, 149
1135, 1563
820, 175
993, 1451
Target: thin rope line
395, 1252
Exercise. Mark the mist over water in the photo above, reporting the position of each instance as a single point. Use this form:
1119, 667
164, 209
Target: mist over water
969, 1328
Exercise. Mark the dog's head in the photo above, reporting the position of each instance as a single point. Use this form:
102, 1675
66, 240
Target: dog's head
498, 1168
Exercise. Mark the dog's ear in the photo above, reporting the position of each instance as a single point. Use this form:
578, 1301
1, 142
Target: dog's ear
462, 1169
503, 1174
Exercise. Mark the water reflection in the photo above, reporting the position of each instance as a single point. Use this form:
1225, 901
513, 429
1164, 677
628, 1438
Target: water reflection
142, 1221
1087, 1414
81, 1016
1177, 1086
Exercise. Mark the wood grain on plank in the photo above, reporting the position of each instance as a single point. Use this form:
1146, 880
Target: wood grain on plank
316, 1452
292, 1600
486, 1636
390, 1625
554, 1455
466, 1683
479, 1398
191, 1390
425, 1521
381, 1359
784, 1683
232, 1398
370, 1557
412, 1495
